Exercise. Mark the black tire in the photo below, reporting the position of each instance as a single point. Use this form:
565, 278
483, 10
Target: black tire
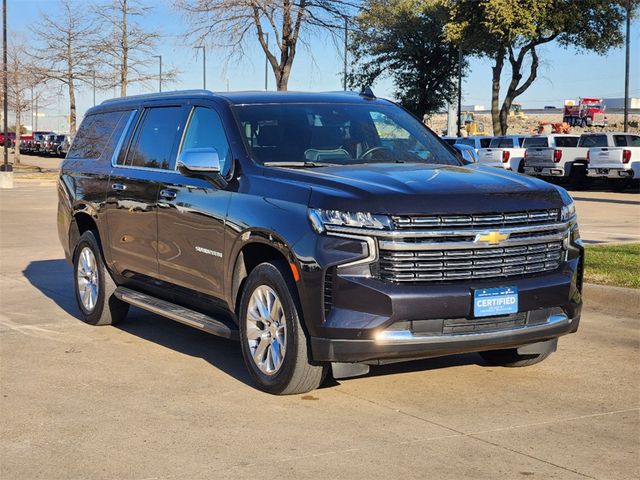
511, 358
108, 310
297, 373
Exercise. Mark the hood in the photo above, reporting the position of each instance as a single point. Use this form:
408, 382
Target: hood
416, 188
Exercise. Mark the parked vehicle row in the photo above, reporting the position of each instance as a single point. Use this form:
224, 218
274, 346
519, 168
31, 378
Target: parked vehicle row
573, 159
42, 143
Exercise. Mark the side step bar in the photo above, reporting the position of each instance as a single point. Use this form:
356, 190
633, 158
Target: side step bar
177, 313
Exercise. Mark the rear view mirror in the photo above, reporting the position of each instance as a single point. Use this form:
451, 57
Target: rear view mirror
199, 160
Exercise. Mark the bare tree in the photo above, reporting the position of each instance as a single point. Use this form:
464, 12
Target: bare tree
20, 80
127, 46
231, 23
65, 51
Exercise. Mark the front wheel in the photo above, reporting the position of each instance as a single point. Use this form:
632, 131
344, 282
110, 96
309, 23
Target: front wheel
511, 358
273, 342
94, 286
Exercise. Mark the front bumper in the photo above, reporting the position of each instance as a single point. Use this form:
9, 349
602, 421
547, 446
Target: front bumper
405, 344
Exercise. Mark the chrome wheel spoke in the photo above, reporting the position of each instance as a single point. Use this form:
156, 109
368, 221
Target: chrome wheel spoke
87, 279
266, 330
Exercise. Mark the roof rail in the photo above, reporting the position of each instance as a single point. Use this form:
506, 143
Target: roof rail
174, 93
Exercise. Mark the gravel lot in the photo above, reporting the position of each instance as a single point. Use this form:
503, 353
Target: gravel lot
156, 399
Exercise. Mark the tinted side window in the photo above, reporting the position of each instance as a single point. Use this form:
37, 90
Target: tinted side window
94, 135
154, 146
593, 141
205, 130
566, 141
502, 142
620, 140
467, 141
633, 140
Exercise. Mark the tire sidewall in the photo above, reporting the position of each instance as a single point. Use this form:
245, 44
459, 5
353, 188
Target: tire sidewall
268, 274
88, 240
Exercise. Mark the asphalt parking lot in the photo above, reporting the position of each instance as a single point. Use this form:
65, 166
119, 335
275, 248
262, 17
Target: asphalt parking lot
156, 399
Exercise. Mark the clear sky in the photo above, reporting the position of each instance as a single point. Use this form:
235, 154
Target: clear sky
564, 74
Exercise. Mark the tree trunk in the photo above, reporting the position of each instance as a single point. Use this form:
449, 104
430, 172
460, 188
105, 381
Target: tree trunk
125, 51
72, 107
16, 150
495, 92
515, 89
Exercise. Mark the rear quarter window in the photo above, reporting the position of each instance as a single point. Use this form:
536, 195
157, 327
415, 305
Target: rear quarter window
467, 141
96, 133
633, 140
485, 142
566, 142
620, 140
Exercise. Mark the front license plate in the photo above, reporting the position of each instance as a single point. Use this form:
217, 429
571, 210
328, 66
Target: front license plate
489, 302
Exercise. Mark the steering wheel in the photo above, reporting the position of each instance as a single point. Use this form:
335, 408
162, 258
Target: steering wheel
369, 153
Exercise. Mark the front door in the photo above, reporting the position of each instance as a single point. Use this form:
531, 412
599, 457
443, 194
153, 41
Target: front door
192, 212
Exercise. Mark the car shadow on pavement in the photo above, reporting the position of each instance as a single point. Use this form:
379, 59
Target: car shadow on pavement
221, 353
54, 278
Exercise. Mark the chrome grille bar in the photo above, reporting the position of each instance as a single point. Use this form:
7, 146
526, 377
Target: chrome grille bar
491, 220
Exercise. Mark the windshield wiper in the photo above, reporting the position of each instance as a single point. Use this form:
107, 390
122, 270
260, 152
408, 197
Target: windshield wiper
298, 164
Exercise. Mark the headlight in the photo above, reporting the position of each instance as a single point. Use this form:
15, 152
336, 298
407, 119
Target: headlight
568, 212
321, 218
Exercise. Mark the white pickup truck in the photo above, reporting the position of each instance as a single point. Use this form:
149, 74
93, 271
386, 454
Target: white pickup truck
618, 160
504, 152
557, 155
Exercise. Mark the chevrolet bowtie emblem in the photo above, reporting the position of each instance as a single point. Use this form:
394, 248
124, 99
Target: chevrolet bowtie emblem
492, 238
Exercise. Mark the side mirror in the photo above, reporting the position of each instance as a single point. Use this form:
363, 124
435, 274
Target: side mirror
199, 160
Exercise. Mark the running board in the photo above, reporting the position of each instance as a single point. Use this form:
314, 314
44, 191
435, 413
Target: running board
177, 313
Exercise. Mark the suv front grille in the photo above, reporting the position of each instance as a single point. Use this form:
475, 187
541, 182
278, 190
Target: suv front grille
491, 220
466, 264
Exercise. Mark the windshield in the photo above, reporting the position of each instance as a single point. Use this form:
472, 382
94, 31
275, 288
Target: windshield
342, 134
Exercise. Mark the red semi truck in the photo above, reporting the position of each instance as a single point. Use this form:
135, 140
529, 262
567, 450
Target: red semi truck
589, 112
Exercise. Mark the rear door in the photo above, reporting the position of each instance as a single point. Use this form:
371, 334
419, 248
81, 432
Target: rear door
132, 197
192, 212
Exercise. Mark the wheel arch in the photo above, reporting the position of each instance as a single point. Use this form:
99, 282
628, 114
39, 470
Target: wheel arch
259, 247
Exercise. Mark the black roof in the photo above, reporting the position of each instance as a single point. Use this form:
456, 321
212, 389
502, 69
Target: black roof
238, 98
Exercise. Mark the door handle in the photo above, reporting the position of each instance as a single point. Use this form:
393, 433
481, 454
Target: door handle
168, 194
119, 187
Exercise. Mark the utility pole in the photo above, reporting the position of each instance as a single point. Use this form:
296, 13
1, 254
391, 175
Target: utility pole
266, 66
159, 57
459, 122
5, 90
204, 65
346, 46
626, 69
94, 87
32, 116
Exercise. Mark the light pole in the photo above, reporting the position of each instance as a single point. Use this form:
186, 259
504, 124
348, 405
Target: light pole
266, 66
626, 70
94, 87
204, 65
159, 57
5, 89
459, 109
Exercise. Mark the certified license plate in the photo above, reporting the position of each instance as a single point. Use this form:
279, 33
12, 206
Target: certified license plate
489, 302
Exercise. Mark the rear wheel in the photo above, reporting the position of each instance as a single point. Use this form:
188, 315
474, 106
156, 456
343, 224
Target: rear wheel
273, 341
94, 286
511, 358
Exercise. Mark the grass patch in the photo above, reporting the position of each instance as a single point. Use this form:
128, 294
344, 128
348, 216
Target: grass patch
617, 265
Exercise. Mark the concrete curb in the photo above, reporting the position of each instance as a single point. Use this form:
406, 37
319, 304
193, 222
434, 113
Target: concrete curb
618, 300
